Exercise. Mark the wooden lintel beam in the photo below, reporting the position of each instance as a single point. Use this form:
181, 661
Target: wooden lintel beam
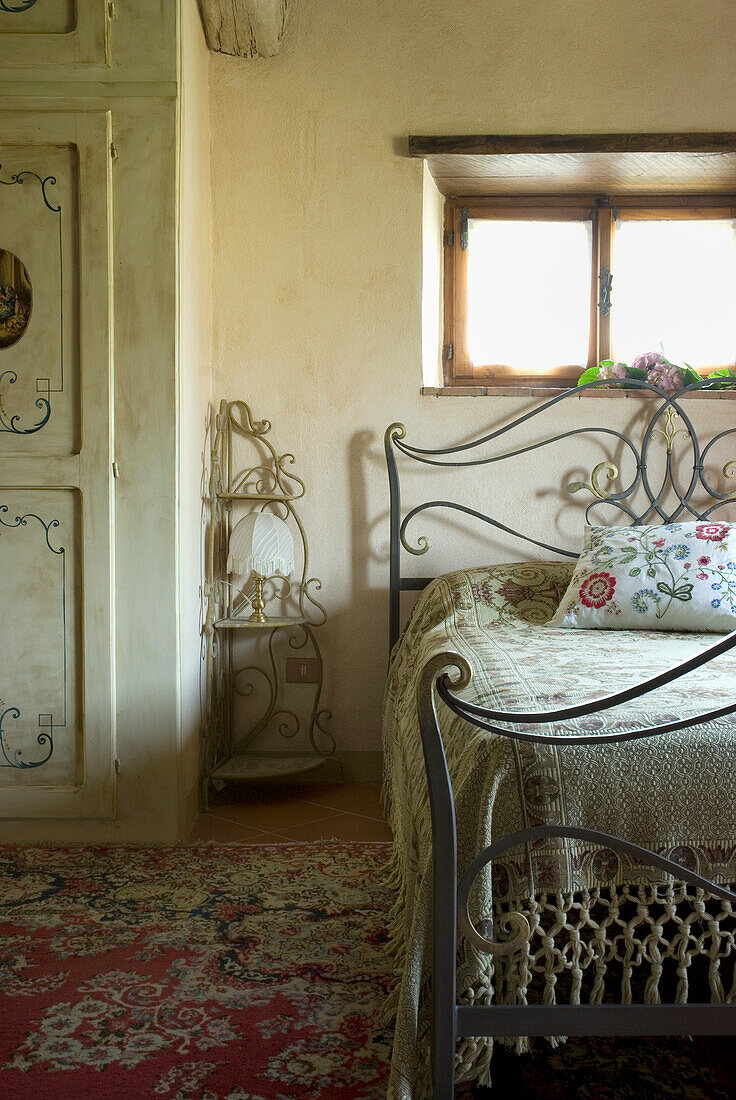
243, 28
479, 144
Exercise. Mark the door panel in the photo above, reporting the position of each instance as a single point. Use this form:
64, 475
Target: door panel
41, 33
38, 16
41, 736
91, 40
57, 731
39, 373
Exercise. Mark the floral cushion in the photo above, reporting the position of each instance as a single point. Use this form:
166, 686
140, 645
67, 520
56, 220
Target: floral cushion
679, 576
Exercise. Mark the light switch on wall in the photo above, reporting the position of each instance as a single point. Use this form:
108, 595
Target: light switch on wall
303, 670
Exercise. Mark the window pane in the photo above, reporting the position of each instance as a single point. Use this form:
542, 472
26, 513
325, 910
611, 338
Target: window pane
529, 293
675, 282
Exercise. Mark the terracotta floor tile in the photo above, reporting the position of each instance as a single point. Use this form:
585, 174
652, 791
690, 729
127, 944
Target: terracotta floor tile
279, 814
233, 793
357, 798
340, 827
208, 828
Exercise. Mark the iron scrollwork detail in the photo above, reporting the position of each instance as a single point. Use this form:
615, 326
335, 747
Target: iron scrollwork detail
667, 502
654, 509
46, 724
663, 424
12, 422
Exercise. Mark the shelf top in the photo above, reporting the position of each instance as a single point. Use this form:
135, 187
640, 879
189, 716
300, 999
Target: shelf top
265, 765
268, 497
240, 624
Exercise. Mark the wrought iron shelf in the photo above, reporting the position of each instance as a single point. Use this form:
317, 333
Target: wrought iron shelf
254, 710
273, 624
265, 765
266, 498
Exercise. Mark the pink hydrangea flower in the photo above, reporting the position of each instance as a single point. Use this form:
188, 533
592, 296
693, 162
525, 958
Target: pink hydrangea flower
648, 359
666, 376
606, 371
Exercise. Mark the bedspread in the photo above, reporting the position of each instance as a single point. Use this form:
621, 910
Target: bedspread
592, 911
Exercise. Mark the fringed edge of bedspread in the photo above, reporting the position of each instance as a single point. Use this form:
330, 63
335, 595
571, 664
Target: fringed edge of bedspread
633, 933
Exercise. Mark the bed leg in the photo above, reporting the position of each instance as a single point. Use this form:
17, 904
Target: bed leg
444, 885
444, 992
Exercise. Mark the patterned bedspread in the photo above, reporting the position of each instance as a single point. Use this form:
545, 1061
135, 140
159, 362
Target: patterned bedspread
675, 794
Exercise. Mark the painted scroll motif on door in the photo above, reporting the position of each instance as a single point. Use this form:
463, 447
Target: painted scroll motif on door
40, 738
39, 305
56, 701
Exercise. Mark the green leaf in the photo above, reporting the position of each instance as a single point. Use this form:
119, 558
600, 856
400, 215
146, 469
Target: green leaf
637, 372
719, 379
664, 589
634, 572
689, 375
608, 362
589, 375
651, 572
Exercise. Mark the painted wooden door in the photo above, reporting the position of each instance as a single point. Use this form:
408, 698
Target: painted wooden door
87, 40
44, 33
56, 515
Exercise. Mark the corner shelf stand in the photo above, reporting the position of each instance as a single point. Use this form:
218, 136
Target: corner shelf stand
246, 474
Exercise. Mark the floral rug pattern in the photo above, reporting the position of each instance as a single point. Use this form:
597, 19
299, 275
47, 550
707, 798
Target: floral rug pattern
220, 972
209, 972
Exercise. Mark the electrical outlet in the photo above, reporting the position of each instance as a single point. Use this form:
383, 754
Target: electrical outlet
303, 670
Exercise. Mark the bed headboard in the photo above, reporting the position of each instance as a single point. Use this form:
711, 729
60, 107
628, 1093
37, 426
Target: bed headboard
663, 503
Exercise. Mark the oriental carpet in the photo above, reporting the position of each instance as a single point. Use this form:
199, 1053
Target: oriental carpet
210, 972
245, 972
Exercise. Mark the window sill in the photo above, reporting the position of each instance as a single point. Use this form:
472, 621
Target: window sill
616, 392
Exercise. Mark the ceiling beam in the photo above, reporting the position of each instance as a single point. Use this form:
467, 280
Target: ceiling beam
480, 144
244, 28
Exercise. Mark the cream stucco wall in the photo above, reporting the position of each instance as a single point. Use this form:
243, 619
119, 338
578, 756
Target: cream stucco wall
318, 253
195, 384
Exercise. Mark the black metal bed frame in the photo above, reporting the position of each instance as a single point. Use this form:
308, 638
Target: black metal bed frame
450, 898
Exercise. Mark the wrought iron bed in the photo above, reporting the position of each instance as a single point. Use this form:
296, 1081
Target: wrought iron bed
450, 897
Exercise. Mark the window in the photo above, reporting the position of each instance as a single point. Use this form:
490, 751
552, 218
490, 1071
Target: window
539, 288
539, 228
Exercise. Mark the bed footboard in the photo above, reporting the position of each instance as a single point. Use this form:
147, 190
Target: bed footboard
450, 897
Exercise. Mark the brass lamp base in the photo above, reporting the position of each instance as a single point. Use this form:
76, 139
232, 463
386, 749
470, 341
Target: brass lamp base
258, 603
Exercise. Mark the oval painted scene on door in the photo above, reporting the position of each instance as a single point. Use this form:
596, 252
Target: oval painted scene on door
16, 299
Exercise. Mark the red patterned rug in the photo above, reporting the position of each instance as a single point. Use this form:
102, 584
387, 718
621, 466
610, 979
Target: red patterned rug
220, 972
213, 972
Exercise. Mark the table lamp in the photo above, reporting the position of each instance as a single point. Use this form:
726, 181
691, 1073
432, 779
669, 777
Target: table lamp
262, 544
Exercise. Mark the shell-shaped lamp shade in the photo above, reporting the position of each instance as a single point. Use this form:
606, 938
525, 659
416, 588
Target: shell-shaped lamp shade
262, 543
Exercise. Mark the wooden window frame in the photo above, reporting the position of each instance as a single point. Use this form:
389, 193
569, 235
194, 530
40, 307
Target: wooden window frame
602, 211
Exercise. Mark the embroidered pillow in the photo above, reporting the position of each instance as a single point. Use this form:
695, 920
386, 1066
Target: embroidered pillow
679, 576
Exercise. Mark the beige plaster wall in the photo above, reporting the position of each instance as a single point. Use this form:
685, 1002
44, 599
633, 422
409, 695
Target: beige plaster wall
318, 252
195, 381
